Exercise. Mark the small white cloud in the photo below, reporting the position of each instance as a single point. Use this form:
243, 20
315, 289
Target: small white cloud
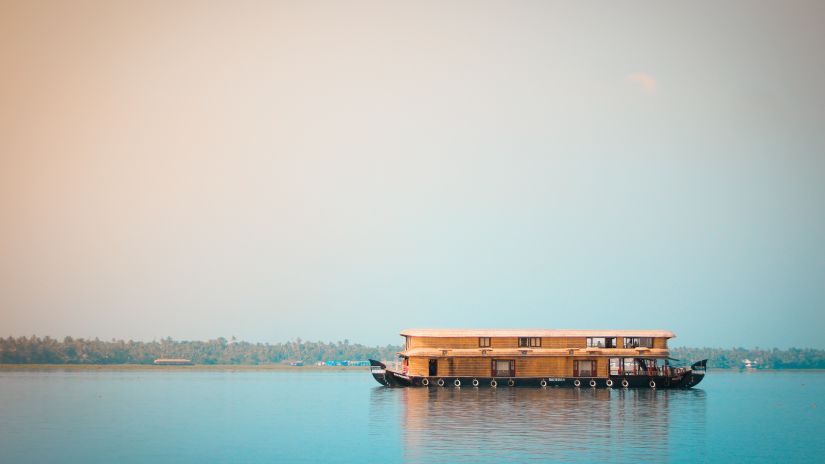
642, 81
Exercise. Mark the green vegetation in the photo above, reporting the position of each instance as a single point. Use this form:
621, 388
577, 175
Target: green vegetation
726, 358
46, 350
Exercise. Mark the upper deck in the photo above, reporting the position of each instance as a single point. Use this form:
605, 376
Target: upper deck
544, 341
548, 333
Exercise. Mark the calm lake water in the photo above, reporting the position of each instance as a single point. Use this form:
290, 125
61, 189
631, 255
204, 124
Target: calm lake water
313, 416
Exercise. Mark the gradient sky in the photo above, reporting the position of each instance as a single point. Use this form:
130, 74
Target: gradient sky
331, 170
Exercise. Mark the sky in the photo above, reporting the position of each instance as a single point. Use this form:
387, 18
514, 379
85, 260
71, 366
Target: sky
344, 170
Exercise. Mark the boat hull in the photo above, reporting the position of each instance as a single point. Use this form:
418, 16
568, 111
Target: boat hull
394, 379
686, 379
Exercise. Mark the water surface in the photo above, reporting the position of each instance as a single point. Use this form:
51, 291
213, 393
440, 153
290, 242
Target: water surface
312, 416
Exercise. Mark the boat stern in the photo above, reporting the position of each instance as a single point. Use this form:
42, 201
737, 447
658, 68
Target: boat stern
696, 373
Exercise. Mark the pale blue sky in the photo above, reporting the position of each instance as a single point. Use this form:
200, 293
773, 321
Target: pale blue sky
272, 170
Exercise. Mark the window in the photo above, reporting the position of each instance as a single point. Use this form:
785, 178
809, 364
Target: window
601, 342
484, 342
529, 342
629, 366
504, 368
615, 366
636, 342
584, 368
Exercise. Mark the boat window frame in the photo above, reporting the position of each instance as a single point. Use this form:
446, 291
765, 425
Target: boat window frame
593, 368
637, 342
607, 342
529, 342
511, 371
630, 366
614, 361
482, 344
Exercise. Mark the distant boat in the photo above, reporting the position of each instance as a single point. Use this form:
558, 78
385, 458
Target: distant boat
173, 362
296, 363
751, 364
537, 358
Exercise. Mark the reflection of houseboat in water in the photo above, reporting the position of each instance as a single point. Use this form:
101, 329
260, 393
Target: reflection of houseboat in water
537, 358
542, 424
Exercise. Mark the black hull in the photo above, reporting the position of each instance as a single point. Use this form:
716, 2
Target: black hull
687, 379
390, 378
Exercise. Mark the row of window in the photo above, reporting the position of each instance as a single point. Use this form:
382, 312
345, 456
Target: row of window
635, 366
581, 368
621, 366
610, 342
592, 342
484, 342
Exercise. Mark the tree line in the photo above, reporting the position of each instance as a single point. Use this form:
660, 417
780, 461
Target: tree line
47, 350
726, 358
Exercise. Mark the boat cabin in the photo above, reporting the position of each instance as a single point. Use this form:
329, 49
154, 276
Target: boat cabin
533, 353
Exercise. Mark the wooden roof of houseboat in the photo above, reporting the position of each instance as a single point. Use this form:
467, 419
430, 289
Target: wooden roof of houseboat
534, 333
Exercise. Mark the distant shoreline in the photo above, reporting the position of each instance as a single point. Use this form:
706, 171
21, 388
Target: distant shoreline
190, 367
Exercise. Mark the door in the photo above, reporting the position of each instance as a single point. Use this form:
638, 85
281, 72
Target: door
433, 371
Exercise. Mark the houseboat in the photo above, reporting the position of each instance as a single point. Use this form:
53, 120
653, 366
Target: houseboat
537, 358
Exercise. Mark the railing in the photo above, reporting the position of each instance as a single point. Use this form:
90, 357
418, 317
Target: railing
398, 366
650, 372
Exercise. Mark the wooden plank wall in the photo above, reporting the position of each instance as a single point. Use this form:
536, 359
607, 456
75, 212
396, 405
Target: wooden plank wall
444, 342
560, 366
495, 342
511, 342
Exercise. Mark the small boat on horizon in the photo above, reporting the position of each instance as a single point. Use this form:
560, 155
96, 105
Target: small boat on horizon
750, 365
173, 362
537, 358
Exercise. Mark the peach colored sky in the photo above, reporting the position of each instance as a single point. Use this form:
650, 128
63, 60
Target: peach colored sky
337, 170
